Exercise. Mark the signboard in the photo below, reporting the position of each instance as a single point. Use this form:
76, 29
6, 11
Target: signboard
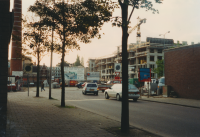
28, 68
74, 73
93, 75
117, 67
17, 73
160, 40
144, 74
52, 77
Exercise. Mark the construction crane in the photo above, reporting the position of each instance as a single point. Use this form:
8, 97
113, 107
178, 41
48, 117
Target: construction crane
140, 21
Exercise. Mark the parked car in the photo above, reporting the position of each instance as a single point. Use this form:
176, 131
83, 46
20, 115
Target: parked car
11, 87
161, 83
31, 84
83, 84
55, 85
79, 85
116, 92
90, 88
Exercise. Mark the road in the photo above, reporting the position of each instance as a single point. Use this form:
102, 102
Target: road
162, 119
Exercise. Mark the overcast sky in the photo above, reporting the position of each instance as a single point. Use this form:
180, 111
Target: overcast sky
180, 17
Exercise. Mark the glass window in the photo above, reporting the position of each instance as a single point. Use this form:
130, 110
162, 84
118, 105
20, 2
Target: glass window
91, 85
131, 86
162, 80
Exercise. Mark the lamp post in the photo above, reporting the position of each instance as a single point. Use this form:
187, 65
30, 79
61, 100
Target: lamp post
163, 52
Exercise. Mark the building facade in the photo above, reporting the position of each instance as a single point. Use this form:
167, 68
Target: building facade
182, 70
143, 55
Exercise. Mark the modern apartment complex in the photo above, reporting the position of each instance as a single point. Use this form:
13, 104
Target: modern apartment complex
143, 55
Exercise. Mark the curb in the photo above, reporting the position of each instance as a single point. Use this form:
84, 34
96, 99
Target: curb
170, 103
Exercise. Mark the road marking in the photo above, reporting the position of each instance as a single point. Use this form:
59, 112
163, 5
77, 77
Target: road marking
85, 99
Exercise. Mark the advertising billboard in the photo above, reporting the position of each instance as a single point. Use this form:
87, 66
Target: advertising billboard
93, 75
74, 73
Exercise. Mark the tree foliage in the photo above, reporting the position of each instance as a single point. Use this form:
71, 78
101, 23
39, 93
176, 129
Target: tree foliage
35, 42
160, 68
73, 21
78, 62
123, 22
65, 64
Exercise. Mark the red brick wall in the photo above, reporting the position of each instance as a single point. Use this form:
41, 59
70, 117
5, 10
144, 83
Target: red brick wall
16, 60
182, 71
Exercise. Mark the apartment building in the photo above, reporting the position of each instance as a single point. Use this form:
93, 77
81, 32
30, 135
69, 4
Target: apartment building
143, 55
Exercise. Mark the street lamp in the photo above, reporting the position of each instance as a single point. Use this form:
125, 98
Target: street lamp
163, 52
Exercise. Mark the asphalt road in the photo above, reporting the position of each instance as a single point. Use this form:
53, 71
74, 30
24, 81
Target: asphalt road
158, 118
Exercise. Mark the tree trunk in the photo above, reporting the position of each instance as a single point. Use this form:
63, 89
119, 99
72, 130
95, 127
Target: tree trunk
38, 74
62, 63
125, 103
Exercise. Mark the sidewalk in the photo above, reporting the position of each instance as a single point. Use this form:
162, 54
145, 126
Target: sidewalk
40, 117
175, 101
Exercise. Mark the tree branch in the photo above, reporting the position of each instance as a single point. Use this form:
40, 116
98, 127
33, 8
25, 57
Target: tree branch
131, 14
120, 3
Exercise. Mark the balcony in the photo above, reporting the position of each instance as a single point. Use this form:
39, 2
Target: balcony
144, 53
120, 58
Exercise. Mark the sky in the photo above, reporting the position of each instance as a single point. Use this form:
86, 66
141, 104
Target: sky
180, 17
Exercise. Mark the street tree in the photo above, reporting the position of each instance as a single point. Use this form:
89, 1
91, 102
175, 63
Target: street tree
74, 21
35, 42
123, 22
160, 68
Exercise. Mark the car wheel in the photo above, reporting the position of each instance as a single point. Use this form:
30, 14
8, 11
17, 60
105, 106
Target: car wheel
118, 97
97, 93
135, 99
85, 92
106, 96
103, 91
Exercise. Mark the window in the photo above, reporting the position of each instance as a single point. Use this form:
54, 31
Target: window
91, 85
152, 66
131, 86
159, 50
152, 75
151, 50
151, 58
160, 57
162, 80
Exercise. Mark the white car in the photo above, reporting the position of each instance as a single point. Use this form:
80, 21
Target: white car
116, 92
90, 88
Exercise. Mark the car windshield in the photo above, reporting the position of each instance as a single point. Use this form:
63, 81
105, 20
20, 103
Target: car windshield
162, 80
91, 85
131, 86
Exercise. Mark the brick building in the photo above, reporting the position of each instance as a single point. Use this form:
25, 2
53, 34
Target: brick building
182, 70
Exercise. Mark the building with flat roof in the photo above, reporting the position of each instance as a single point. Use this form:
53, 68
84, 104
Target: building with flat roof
142, 55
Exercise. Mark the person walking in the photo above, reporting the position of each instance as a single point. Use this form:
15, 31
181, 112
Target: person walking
42, 87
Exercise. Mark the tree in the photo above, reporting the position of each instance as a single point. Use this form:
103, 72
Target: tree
77, 63
125, 20
160, 68
65, 64
82, 61
36, 39
79, 20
